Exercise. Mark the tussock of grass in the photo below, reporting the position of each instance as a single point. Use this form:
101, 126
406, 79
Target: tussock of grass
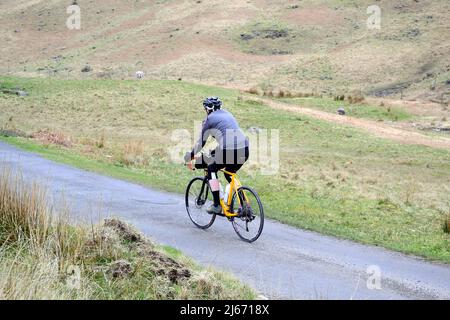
22, 211
43, 257
133, 154
48, 137
446, 224
280, 93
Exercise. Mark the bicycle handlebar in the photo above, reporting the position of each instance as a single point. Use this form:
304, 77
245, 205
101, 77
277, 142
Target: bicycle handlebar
190, 165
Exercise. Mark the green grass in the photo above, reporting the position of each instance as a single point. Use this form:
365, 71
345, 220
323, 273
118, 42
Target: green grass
359, 110
333, 179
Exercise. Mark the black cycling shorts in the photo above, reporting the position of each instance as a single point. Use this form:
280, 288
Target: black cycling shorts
230, 160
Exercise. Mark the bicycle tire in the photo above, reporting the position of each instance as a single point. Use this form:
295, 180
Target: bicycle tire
201, 219
244, 218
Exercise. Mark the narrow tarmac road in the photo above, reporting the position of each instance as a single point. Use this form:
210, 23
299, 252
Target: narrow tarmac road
284, 263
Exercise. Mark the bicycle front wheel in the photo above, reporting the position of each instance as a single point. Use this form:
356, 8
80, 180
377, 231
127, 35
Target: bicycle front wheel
198, 199
250, 221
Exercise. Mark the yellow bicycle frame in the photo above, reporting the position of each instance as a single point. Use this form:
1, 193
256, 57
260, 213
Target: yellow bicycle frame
235, 184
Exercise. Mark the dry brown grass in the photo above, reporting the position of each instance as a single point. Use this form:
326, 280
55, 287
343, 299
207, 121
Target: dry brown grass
101, 142
22, 210
281, 93
446, 223
447, 226
133, 154
355, 97
253, 90
35, 245
48, 137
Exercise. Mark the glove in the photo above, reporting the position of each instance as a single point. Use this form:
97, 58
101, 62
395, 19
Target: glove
188, 157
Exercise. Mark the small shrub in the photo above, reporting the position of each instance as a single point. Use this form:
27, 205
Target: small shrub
133, 154
410, 190
100, 143
268, 93
447, 225
253, 90
48, 137
356, 97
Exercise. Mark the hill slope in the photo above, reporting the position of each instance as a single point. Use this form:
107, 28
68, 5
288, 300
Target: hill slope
321, 46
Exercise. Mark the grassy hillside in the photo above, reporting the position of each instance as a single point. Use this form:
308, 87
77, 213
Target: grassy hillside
308, 46
42, 257
333, 179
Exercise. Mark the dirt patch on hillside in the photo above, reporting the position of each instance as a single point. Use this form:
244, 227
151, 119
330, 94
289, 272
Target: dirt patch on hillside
378, 129
133, 23
317, 16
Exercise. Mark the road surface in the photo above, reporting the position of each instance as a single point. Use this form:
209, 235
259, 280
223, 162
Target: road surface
284, 263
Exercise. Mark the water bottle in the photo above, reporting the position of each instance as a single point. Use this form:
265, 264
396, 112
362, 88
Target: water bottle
227, 192
221, 192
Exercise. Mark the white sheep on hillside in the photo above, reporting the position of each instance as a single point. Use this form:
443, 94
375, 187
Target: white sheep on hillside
140, 74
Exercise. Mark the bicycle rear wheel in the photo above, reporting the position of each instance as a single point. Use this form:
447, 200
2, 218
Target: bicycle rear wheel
250, 222
198, 199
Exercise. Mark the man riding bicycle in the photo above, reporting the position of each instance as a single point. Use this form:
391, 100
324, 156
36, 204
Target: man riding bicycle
232, 150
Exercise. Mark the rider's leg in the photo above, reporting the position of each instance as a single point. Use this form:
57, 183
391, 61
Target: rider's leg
213, 168
214, 183
215, 208
239, 157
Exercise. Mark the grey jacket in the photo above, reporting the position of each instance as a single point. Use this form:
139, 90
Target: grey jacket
224, 128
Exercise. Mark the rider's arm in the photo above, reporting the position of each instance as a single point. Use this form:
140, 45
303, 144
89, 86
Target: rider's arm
202, 140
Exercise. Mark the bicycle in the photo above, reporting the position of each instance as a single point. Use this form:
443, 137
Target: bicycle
243, 207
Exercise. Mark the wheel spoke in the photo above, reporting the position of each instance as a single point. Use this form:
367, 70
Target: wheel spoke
196, 204
250, 223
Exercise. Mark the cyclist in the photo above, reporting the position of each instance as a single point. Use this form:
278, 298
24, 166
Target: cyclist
232, 150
